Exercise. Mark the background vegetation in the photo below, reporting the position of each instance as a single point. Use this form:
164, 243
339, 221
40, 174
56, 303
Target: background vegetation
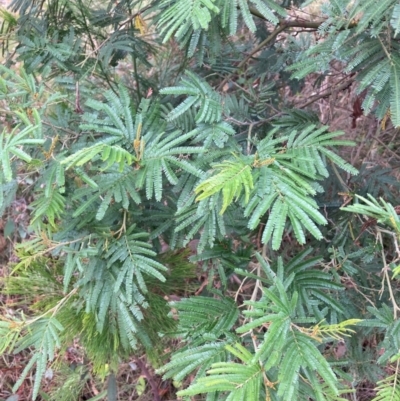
199, 200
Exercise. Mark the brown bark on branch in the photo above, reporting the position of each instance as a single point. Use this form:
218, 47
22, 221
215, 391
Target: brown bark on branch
282, 26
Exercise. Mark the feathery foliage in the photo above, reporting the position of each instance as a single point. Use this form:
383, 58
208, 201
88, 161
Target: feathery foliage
154, 145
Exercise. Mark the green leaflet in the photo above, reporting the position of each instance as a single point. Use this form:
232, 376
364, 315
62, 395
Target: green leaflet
10, 144
388, 389
395, 92
395, 20
233, 177
242, 381
42, 334
183, 17
383, 211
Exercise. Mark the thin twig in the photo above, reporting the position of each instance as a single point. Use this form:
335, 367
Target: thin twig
242, 284
299, 22
249, 139
269, 39
134, 61
133, 16
142, 366
327, 93
282, 25
387, 148
387, 278
94, 47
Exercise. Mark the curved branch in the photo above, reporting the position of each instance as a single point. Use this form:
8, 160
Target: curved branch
264, 43
282, 26
142, 366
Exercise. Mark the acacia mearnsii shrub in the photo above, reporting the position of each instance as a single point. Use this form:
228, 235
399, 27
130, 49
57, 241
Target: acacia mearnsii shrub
186, 185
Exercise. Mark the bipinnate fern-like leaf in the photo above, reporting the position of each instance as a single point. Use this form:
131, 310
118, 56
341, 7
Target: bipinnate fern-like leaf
210, 134
205, 218
383, 211
52, 207
114, 187
119, 44
205, 322
8, 335
194, 357
161, 157
395, 92
294, 350
183, 16
44, 336
279, 179
200, 96
205, 314
233, 177
395, 20
267, 8
383, 318
388, 389
317, 289
375, 61
17, 88
202, 107
134, 138
296, 119
136, 258
301, 353
369, 16
11, 145
284, 180
242, 381
110, 154
19, 144
285, 361
116, 118
114, 286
